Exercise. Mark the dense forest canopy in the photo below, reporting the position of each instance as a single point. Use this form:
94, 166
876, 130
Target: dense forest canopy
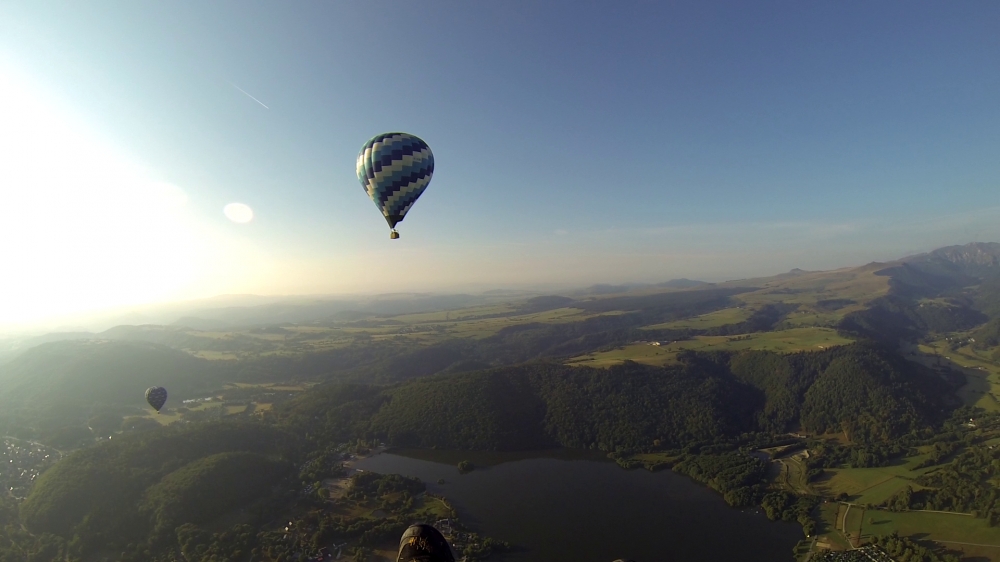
863, 389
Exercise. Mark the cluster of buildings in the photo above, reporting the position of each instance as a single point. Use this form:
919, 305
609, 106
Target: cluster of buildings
20, 464
870, 553
456, 538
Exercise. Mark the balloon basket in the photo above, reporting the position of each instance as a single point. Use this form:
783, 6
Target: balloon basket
393, 235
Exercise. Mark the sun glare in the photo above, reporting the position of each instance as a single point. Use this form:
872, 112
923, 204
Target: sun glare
238, 213
81, 227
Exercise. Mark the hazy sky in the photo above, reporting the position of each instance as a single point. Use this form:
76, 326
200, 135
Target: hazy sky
575, 142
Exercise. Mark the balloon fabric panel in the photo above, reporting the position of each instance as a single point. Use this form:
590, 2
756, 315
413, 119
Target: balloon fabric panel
395, 169
156, 396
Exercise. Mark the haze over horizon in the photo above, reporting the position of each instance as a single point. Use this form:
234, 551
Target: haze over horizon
574, 144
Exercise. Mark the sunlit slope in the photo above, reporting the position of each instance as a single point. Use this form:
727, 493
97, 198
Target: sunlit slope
823, 297
288, 339
811, 306
816, 299
784, 341
792, 312
433, 327
715, 319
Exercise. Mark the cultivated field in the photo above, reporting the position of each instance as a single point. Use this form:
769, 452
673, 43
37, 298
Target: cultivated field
830, 534
959, 532
784, 341
982, 373
715, 319
871, 485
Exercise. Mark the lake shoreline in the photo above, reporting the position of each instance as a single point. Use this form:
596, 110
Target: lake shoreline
541, 503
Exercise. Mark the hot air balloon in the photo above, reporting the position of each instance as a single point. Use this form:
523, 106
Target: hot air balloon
157, 397
394, 169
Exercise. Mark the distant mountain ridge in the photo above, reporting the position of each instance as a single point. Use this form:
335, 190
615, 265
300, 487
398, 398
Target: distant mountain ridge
963, 281
976, 258
977, 253
683, 283
950, 268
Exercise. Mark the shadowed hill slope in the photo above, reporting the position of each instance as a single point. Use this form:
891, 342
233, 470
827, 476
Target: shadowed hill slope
106, 372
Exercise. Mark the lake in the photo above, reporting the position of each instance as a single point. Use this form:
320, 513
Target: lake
580, 509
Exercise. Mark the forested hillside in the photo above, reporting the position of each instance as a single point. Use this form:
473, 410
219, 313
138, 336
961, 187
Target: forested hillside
204, 489
873, 397
112, 494
864, 390
544, 405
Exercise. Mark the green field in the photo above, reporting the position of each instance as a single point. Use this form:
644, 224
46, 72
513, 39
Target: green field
170, 415
850, 523
785, 341
276, 386
982, 373
947, 528
486, 327
640, 353
804, 318
871, 485
722, 317
471, 313
419, 329
165, 417
830, 518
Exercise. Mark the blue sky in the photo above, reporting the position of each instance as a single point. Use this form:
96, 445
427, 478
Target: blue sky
575, 142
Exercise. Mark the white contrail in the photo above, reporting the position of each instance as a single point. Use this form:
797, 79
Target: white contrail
249, 96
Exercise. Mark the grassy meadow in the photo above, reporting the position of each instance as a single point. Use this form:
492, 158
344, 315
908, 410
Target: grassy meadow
970, 535
784, 341
715, 319
982, 388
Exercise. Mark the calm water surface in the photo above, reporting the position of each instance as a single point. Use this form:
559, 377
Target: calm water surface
594, 511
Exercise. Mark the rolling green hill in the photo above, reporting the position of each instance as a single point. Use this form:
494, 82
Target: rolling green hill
204, 489
96, 493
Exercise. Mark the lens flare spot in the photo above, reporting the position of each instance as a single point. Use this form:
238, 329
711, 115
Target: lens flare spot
238, 213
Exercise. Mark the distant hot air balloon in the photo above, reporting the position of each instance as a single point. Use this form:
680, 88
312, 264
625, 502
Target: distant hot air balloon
157, 397
394, 169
